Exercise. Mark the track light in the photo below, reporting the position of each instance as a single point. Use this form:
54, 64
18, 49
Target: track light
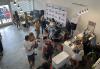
18, 6
79, 13
87, 10
21, 10
15, 3
83, 11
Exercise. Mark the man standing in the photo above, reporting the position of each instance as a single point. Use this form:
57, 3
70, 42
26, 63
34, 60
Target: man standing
43, 24
17, 19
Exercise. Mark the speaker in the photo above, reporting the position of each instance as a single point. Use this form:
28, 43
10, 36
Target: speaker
73, 26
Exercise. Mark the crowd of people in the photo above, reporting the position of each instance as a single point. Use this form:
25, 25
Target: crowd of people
52, 35
46, 28
31, 42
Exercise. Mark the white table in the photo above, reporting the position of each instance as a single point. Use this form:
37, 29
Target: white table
67, 43
80, 35
68, 49
60, 59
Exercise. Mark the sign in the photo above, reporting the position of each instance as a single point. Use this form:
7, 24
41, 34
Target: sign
56, 12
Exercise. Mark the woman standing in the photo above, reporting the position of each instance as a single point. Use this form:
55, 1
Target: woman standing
37, 29
17, 19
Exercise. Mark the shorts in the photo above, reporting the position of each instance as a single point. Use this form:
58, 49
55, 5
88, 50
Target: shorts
31, 58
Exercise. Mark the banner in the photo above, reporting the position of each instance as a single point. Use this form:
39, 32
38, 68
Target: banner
56, 12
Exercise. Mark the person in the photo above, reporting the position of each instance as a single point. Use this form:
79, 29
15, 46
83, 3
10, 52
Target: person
37, 28
68, 27
7, 14
51, 28
26, 19
86, 44
29, 47
31, 36
49, 49
76, 58
1, 47
43, 23
17, 19
46, 33
14, 20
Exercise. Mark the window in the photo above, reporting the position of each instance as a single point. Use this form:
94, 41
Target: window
5, 15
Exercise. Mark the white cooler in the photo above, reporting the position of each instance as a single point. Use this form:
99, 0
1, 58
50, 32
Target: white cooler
60, 59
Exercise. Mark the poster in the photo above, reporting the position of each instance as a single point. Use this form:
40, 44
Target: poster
5, 14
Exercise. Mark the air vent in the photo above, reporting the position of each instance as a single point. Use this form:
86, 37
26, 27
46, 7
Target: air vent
79, 4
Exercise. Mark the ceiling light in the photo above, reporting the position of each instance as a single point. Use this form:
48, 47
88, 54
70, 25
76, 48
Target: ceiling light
21, 10
79, 13
87, 10
82, 11
18, 6
15, 3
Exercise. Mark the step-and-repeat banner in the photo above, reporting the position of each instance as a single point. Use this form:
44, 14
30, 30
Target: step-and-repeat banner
56, 12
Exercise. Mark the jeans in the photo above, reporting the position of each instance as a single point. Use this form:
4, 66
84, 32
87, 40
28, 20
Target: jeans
37, 34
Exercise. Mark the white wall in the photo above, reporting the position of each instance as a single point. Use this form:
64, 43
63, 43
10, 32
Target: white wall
39, 4
92, 15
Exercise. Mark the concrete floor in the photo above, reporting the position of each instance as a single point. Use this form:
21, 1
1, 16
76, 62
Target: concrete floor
14, 52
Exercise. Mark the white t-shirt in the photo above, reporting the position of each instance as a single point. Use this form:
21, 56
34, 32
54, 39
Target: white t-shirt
77, 57
28, 46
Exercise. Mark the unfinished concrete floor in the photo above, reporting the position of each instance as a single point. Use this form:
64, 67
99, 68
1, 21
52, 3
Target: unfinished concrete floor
14, 52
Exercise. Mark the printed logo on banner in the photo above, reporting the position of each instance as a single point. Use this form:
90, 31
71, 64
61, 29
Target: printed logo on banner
56, 12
